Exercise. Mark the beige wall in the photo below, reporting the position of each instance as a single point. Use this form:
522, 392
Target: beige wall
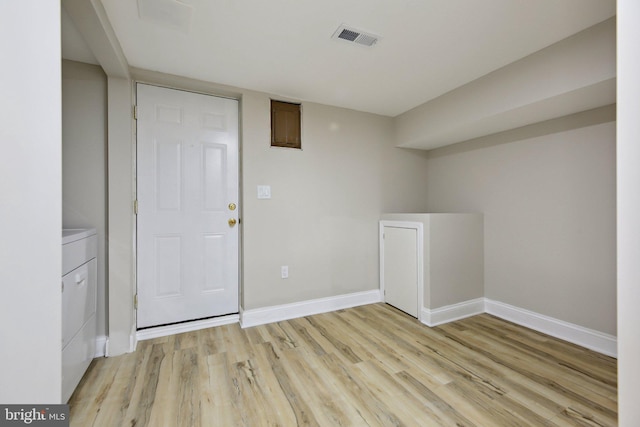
326, 202
323, 216
87, 95
456, 259
547, 192
84, 160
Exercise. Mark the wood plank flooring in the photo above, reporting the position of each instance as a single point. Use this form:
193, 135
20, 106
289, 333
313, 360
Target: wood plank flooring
366, 366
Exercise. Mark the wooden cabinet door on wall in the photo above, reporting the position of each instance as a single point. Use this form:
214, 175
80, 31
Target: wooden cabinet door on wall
285, 124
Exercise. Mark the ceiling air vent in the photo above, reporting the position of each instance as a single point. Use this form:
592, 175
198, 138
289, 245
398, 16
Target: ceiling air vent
355, 36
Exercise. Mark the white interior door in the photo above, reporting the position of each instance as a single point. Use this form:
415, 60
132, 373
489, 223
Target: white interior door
187, 190
401, 268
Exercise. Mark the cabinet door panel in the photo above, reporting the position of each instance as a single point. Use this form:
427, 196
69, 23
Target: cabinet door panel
401, 269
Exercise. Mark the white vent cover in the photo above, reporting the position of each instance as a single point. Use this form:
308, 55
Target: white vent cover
353, 35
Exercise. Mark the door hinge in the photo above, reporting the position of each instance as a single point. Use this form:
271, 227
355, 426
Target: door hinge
135, 112
135, 301
135, 207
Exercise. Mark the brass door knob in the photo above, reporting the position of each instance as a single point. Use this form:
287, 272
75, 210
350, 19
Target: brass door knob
232, 222
232, 206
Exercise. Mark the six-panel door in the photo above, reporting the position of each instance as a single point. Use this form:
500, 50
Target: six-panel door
187, 185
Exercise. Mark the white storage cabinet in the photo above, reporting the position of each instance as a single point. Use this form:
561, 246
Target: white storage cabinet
431, 262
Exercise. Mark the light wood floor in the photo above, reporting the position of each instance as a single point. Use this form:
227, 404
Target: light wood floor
365, 366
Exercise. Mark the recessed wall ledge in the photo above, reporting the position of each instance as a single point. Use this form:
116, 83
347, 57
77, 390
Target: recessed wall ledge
573, 75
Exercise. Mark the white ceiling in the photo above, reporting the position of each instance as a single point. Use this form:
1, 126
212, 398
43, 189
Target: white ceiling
73, 44
284, 47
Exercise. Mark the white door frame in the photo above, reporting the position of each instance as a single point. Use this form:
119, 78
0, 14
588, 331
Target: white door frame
194, 325
419, 228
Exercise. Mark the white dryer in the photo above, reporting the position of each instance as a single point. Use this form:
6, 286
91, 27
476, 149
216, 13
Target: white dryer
79, 293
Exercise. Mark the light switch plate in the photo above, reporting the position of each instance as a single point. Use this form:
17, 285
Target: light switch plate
264, 191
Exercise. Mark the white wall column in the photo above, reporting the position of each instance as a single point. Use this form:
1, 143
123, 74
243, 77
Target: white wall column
31, 189
121, 220
628, 170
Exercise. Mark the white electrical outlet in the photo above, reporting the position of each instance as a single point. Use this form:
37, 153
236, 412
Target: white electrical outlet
284, 271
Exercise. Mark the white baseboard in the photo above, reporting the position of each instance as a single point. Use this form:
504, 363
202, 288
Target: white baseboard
261, 316
133, 339
588, 338
163, 331
449, 313
101, 346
